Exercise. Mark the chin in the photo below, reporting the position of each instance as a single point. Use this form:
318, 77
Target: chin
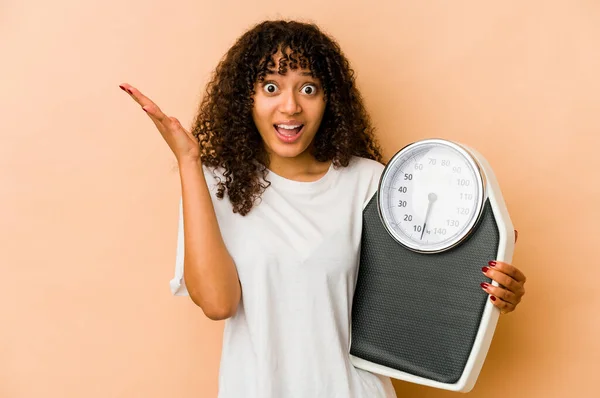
287, 153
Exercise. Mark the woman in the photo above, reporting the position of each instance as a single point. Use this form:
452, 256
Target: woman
275, 173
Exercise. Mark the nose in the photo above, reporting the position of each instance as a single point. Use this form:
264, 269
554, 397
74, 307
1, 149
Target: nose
289, 103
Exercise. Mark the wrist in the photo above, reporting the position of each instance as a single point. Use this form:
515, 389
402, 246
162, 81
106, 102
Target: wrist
189, 161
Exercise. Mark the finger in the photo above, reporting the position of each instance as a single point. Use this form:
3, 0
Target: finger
173, 127
137, 95
508, 269
125, 87
502, 279
155, 112
145, 102
504, 306
163, 122
156, 122
505, 295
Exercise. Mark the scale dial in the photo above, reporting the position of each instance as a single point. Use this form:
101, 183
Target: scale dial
431, 195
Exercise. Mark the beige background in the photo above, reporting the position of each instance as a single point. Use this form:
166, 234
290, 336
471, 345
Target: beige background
89, 191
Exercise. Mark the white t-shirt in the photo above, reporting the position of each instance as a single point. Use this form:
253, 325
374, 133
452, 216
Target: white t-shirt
297, 255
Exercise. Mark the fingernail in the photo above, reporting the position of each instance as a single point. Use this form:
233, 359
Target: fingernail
484, 285
125, 89
492, 263
493, 298
485, 269
144, 109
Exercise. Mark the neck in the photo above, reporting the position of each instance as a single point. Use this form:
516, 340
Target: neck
300, 168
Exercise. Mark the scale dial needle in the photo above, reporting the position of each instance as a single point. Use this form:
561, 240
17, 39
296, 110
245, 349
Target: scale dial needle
432, 198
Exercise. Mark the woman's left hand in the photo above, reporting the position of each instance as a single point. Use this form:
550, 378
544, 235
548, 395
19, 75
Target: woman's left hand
511, 283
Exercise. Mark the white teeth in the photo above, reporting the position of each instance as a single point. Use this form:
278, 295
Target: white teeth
282, 126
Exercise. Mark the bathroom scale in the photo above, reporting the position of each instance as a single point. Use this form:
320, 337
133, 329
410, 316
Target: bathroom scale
419, 313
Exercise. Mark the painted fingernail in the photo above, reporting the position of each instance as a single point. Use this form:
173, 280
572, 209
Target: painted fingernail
492, 263
493, 298
484, 285
128, 91
485, 269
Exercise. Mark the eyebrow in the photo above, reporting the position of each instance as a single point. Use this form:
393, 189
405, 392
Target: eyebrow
270, 72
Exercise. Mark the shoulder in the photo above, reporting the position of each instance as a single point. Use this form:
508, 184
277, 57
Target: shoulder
213, 176
364, 167
362, 177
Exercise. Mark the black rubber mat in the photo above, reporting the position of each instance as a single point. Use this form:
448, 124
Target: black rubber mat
419, 313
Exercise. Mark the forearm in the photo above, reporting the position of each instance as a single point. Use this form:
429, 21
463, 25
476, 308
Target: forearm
209, 270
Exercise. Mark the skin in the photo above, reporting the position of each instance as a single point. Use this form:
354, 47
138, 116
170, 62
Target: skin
210, 273
297, 97
511, 283
293, 98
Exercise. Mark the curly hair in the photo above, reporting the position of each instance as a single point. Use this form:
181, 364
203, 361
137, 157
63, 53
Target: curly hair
224, 127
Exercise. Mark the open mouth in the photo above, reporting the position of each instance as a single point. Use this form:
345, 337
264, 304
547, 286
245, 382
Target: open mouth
288, 133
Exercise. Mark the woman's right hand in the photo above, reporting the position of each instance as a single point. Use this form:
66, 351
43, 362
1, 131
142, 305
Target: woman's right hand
183, 144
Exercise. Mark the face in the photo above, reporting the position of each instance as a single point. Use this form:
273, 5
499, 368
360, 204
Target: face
287, 112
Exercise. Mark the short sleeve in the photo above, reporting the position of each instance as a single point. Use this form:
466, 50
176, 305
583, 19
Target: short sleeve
375, 170
178, 283
376, 176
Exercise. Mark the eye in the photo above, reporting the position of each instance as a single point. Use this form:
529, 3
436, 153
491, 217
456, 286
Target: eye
309, 89
270, 88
